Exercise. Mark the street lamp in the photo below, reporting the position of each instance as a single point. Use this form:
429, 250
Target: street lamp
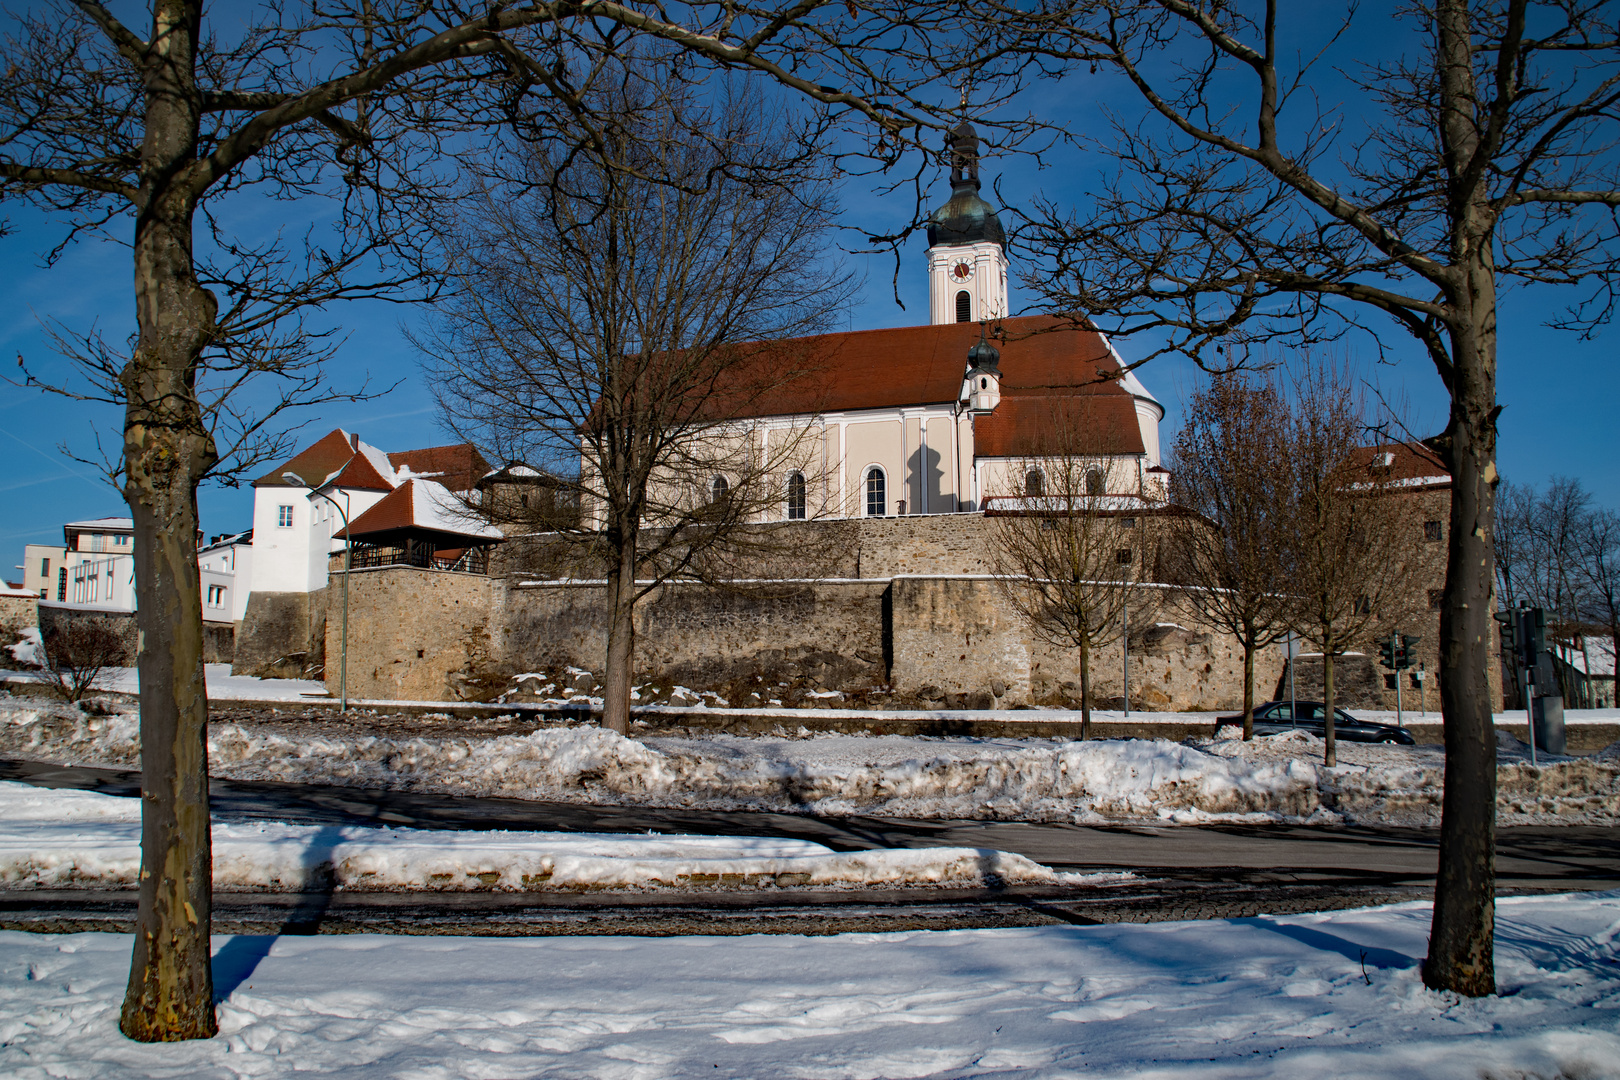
295, 480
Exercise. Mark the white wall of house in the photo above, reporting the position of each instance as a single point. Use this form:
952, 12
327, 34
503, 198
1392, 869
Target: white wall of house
292, 536
42, 570
101, 581
226, 570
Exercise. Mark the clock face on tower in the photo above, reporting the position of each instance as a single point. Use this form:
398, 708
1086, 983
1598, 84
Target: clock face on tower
962, 270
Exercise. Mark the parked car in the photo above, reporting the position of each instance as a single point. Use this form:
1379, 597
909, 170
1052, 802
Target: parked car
1276, 717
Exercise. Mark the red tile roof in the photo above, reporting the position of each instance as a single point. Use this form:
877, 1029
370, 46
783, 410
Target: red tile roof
1039, 424
1413, 463
422, 506
457, 467
919, 365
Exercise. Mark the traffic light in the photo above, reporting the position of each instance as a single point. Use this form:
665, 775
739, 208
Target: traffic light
1507, 631
1386, 650
1535, 636
1406, 655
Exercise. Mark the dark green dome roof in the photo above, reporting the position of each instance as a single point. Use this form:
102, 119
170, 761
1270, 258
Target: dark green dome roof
966, 218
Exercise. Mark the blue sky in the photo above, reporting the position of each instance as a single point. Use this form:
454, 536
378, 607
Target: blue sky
1559, 392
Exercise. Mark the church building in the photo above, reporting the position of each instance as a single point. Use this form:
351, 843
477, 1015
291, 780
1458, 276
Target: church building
936, 419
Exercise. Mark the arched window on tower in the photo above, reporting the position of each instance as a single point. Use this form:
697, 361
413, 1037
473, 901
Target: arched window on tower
1034, 484
1095, 483
796, 497
964, 307
877, 497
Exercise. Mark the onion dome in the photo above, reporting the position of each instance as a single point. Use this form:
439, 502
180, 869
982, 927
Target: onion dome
984, 357
966, 218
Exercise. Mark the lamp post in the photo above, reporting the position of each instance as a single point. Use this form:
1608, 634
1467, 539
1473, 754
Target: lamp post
348, 547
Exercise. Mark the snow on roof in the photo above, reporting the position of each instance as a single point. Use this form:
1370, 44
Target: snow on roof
434, 506
378, 460
104, 524
422, 504
1057, 504
7, 590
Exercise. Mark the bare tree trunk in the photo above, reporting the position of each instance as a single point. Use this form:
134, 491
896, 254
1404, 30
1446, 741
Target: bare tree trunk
1085, 692
1461, 938
1330, 757
1248, 687
167, 450
621, 643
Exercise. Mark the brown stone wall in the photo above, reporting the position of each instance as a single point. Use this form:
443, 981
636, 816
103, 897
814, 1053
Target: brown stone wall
958, 634
702, 637
17, 613
282, 634
414, 635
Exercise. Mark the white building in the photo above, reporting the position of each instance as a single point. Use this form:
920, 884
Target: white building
94, 567
225, 565
939, 418
293, 530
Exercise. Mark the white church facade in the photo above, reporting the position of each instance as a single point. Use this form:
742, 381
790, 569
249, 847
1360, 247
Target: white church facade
939, 418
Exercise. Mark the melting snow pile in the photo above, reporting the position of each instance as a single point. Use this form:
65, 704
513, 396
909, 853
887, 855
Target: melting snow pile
66, 838
1130, 780
30, 648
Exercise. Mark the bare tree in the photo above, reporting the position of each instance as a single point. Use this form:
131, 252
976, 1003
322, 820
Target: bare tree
1246, 209
622, 313
1066, 558
77, 650
1598, 566
112, 130
1230, 470
1349, 556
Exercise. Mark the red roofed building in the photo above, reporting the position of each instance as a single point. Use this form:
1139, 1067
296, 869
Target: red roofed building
295, 530
935, 419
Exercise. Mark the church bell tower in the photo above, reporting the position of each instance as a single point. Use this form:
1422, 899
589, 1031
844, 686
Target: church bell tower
967, 255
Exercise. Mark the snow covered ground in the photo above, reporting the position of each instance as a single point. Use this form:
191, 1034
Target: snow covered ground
69, 838
1280, 778
1334, 995
222, 685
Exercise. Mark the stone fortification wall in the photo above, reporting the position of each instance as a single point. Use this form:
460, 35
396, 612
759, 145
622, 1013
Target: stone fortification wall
959, 636
282, 635
700, 636
414, 635
219, 639
17, 613
902, 601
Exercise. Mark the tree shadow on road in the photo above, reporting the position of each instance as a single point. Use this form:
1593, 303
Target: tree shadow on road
236, 960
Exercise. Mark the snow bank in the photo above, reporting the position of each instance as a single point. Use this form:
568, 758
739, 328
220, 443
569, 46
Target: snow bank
30, 648
68, 838
1277, 779
1335, 995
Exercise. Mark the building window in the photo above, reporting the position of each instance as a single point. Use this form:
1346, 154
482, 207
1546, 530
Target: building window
216, 596
1034, 484
1123, 556
44, 568
877, 498
1363, 605
284, 516
1431, 530
121, 541
1435, 597
796, 497
964, 307
61, 584
718, 490
1095, 484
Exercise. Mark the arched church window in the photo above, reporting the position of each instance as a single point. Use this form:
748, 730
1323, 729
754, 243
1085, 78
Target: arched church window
877, 497
1095, 484
795, 497
964, 307
1034, 483
718, 490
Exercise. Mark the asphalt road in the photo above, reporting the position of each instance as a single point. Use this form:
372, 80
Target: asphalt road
1529, 859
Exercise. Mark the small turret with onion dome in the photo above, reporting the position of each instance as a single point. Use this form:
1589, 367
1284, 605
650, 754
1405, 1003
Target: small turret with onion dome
982, 385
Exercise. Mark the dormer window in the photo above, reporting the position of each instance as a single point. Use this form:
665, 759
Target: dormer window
964, 307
